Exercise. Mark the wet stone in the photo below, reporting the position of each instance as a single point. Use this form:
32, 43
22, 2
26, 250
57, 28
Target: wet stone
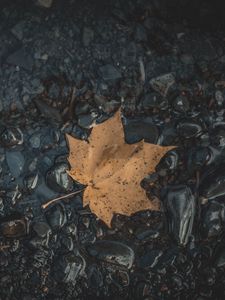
220, 97
150, 259
212, 186
58, 179
1, 207
14, 228
16, 162
213, 219
136, 130
31, 181
18, 30
147, 234
22, 59
109, 72
169, 162
181, 104
86, 121
179, 203
54, 91
220, 260
189, 128
56, 217
112, 252
95, 277
67, 243
82, 108
163, 83
88, 36
140, 34
10, 137
50, 113
42, 229
68, 267
35, 140
38, 242
154, 100
33, 87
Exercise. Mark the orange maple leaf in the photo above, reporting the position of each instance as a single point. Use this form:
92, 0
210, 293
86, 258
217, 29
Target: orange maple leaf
112, 170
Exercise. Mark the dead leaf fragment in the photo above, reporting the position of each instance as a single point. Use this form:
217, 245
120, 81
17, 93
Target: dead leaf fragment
112, 170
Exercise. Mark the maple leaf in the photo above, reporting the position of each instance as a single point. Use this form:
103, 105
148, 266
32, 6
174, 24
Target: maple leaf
113, 169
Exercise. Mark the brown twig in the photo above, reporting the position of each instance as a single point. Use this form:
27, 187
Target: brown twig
72, 102
2, 247
44, 206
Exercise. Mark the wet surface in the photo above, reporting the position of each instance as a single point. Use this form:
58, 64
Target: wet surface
69, 67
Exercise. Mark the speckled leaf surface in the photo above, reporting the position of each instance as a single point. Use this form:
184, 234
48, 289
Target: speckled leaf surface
112, 170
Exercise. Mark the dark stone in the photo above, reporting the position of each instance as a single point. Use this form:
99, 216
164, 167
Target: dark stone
68, 267
16, 162
56, 217
109, 72
88, 36
14, 228
137, 130
22, 59
112, 252
150, 259
42, 229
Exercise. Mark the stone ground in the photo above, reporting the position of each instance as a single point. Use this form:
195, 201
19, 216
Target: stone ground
72, 65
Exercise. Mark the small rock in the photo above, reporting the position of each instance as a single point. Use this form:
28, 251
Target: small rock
42, 229
163, 83
14, 228
15, 161
140, 34
150, 259
18, 29
220, 261
10, 137
212, 221
181, 104
112, 252
58, 179
154, 100
51, 113
86, 121
56, 216
180, 207
54, 91
109, 72
137, 130
31, 181
35, 140
68, 267
220, 97
22, 59
88, 36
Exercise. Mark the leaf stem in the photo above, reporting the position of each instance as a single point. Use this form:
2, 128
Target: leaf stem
45, 205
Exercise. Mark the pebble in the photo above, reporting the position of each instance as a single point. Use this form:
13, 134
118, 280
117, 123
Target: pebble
88, 36
109, 72
18, 30
42, 229
35, 140
112, 252
22, 59
16, 162
56, 217
162, 83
